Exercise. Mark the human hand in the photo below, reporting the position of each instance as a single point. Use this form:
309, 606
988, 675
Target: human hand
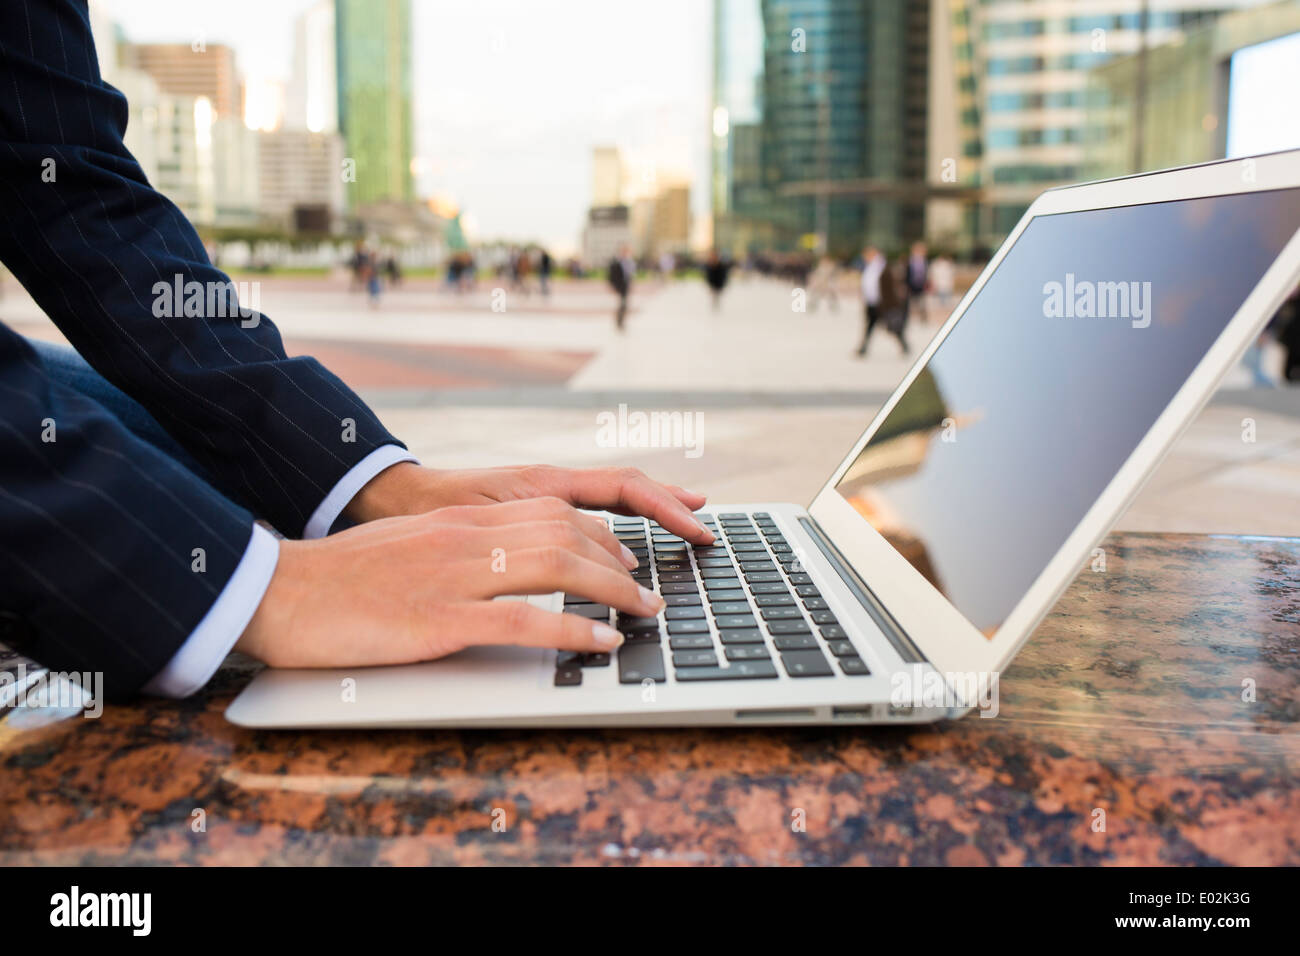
415, 588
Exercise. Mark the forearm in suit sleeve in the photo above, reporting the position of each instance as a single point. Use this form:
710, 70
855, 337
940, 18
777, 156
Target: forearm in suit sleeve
111, 554
84, 232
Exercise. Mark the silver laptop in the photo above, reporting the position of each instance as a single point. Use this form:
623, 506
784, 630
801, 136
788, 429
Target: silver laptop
980, 489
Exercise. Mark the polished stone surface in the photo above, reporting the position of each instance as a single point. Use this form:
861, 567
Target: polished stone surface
1132, 699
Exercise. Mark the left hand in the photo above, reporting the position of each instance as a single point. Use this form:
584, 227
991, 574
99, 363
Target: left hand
408, 489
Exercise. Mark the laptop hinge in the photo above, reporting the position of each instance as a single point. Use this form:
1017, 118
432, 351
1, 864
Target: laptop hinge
870, 603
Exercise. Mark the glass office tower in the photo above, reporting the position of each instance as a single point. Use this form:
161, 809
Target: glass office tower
819, 123
373, 54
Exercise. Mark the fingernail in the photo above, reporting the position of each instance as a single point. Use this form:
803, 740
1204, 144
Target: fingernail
651, 601
628, 557
605, 636
704, 529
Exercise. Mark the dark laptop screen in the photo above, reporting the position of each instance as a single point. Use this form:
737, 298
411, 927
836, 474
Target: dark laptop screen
1048, 382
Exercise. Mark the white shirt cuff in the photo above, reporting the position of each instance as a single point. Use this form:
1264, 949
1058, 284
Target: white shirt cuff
203, 651
327, 512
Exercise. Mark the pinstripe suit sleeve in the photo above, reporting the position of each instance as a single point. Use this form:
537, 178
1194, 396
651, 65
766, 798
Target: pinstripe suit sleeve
84, 232
111, 553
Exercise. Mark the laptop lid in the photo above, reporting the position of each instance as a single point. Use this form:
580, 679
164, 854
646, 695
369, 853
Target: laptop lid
1094, 335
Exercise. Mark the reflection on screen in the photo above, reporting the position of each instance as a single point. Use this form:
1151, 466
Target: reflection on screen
1050, 379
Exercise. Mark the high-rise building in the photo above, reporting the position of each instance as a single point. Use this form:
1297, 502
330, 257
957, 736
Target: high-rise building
301, 188
819, 123
1184, 104
1025, 71
373, 73
194, 70
313, 94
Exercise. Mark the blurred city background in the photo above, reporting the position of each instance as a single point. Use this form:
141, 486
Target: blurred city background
449, 203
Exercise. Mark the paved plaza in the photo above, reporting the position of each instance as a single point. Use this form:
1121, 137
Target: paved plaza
778, 394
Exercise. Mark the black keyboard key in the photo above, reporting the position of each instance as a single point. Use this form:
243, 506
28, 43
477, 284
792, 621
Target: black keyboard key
568, 658
691, 642
774, 588
779, 548
824, 617
675, 577
595, 659
597, 612
713, 562
665, 566
747, 565
801, 579
709, 573
806, 664
638, 662
688, 627
731, 594
742, 549
814, 603
747, 652
788, 627
695, 659
685, 587
741, 670
570, 676
744, 539
733, 516
628, 622
682, 600
684, 613
727, 622
842, 648
711, 551
805, 590
832, 632
719, 584
774, 600
763, 577
576, 599
744, 635
732, 607
795, 642
781, 613
854, 666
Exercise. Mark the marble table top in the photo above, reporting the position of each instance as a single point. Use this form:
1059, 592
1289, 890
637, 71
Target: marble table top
1154, 718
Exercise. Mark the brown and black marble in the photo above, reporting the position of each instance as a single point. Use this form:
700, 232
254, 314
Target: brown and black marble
1128, 700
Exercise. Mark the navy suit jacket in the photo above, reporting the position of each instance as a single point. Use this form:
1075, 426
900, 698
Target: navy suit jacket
98, 530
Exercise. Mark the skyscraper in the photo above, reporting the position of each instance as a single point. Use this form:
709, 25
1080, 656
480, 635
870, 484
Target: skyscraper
373, 69
1027, 67
819, 122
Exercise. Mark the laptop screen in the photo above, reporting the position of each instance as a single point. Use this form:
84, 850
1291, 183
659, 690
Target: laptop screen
1048, 382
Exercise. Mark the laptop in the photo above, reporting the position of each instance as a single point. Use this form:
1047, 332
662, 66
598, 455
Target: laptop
976, 494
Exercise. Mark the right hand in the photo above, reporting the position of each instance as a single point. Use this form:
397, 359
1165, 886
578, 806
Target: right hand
415, 588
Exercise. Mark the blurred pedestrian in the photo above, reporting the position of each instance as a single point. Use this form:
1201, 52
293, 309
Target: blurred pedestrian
880, 299
943, 279
716, 271
1287, 326
916, 278
392, 271
821, 284
545, 264
621, 270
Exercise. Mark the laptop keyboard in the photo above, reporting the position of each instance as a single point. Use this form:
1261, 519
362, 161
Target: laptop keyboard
735, 610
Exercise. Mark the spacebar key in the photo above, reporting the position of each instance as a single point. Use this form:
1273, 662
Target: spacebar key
638, 662
739, 670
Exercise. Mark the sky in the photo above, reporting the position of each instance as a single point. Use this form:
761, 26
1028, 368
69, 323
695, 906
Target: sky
511, 95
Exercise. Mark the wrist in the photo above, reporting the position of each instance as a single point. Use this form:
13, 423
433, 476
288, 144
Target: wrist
276, 612
399, 489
